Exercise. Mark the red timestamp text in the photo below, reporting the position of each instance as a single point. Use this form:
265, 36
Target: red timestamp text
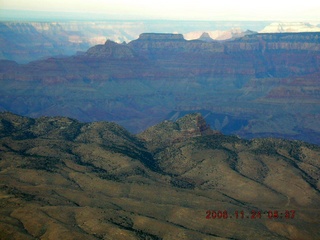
271, 214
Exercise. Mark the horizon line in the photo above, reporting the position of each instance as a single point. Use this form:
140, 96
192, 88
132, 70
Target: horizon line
45, 16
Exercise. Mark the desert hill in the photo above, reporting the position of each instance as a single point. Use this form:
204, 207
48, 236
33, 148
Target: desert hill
64, 179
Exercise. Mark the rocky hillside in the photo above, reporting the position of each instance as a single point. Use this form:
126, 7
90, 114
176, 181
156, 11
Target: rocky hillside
61, 178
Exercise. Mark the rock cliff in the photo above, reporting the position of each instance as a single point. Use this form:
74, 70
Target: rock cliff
253, 55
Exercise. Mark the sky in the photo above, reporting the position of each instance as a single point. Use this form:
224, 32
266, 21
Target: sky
226, 10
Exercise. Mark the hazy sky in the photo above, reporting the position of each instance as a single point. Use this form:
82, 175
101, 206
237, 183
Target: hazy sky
271, 10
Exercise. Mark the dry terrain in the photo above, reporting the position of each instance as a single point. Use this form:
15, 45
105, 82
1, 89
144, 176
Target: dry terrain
63, 179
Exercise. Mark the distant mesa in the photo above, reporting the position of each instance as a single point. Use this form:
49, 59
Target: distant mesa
160, 36
29, 41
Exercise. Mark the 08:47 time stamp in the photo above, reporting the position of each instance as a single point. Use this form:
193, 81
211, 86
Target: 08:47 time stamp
271, 214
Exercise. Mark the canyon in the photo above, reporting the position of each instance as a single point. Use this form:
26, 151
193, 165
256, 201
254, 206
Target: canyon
258, 85
129, 130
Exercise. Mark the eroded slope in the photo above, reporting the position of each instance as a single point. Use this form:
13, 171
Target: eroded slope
64, 179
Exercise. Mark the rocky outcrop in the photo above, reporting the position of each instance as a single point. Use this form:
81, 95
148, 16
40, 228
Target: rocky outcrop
111, 50
205, 37
168, 132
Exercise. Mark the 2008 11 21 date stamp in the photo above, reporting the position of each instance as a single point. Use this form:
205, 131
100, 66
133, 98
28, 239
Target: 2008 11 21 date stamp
271, 214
